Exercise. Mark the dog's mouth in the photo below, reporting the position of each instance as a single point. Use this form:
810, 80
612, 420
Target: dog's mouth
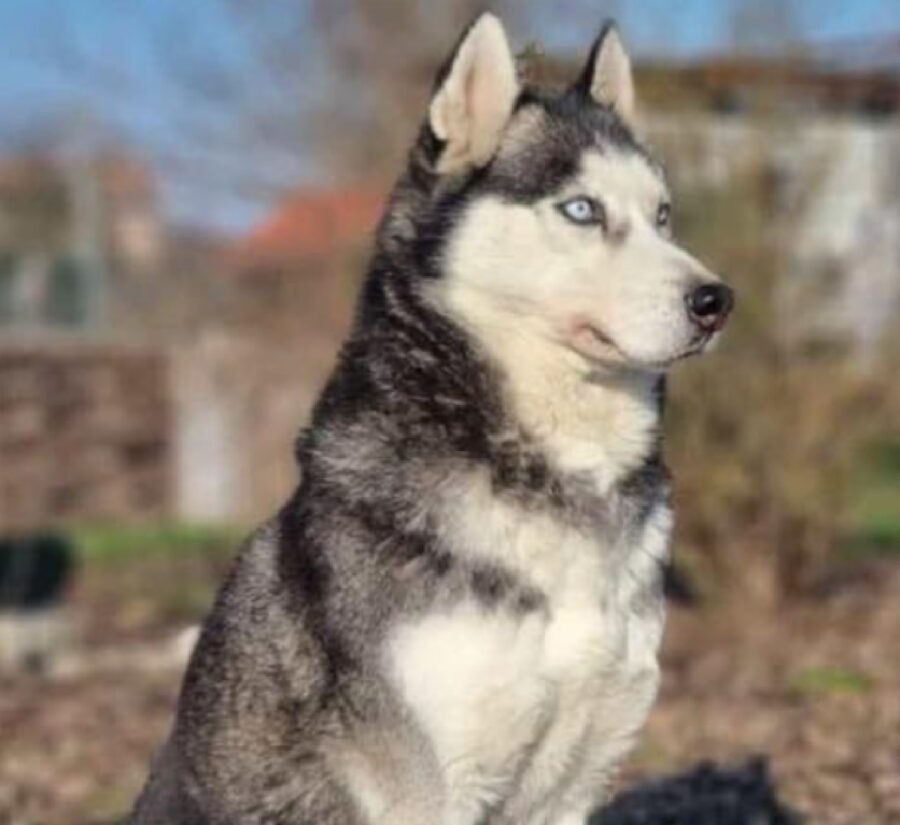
600, 337
699, 342
593, 343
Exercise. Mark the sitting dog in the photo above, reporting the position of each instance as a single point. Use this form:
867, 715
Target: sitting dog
455, 619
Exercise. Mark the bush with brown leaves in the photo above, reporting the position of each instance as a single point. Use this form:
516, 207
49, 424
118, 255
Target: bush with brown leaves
766, 432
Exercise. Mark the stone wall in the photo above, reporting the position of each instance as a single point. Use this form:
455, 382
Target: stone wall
85, 432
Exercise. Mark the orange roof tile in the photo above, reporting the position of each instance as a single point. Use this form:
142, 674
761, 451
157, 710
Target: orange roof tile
312, 224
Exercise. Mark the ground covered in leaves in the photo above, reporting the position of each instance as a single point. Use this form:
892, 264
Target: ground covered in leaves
815, 687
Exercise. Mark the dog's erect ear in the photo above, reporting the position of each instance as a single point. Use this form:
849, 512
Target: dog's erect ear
607, 78
474, 96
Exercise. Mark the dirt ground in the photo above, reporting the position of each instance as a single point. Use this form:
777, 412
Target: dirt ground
815, 687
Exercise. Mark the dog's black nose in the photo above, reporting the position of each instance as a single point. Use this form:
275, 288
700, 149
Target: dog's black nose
709, 305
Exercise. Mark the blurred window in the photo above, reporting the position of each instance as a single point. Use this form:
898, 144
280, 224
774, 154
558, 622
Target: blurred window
41, 292
7, 288
67, 297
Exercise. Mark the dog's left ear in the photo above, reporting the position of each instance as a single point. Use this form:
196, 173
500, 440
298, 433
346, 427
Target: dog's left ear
606, 77
474, 97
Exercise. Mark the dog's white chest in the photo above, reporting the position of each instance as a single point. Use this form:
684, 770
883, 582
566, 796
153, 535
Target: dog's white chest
519, 703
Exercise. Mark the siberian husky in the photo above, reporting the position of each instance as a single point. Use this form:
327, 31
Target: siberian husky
455, 619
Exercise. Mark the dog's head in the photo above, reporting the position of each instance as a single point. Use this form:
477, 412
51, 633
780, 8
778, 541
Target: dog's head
541, 212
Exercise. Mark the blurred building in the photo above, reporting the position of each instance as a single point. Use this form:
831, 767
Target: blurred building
85, 412
309, 252
801, 84
76, 234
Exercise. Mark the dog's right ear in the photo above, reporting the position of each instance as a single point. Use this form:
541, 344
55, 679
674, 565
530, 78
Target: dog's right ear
474, 95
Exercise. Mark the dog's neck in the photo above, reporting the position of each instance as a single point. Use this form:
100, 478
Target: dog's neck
602, 421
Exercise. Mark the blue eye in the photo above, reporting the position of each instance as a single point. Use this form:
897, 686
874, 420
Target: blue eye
583, 210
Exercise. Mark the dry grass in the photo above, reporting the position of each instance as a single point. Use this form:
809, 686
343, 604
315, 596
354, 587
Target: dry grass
814, 686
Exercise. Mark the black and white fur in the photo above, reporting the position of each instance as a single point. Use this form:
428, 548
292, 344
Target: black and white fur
455, 619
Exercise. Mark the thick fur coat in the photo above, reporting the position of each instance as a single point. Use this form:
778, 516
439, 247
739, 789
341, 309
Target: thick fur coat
455, 618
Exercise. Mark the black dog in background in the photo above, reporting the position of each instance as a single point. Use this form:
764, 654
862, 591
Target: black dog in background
706, 795
33, 570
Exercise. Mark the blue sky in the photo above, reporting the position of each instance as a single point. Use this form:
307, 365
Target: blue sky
696, 26
47, 95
